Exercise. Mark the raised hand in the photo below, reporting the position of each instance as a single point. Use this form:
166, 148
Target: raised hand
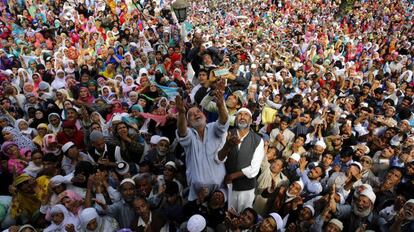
179, 104
232, 139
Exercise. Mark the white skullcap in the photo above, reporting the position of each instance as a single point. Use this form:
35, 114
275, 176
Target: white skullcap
358, 164
295, 156
57, 180
244, 110
370, 194
310, 207
155, 139
337, 223
278, 219
411, 201
67, 145
321, 143
300, 182
122, 167
172, 164
163, 138
127, 180
196, 223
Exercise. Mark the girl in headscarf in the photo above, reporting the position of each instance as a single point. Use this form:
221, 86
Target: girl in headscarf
55, 123
23, 142
85, 96
60, 80
17, 159
92, 222
60, 219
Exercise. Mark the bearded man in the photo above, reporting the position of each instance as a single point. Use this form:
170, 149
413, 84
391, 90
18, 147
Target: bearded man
242, 153
201, 143
360, 213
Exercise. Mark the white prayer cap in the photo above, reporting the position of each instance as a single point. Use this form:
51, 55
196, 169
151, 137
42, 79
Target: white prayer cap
196, 223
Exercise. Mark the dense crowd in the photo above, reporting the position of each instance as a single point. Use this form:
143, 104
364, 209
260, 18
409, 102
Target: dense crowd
247, 116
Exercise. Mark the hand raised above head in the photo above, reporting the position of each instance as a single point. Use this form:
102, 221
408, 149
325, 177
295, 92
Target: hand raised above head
179, 104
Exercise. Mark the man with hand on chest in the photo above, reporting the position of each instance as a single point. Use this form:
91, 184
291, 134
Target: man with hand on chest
242, 153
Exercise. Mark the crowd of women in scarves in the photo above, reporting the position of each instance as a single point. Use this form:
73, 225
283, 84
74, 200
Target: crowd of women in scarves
239, 116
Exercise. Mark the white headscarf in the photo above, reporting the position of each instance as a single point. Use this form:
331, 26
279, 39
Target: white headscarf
67, 219
59, 83
103, 223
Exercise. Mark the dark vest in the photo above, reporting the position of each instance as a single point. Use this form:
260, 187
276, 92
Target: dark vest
241, 158
110, 154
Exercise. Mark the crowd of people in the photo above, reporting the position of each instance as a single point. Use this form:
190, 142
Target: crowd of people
247, 116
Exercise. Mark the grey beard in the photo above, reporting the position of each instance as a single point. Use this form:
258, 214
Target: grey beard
198, 123
243, 126
363, 213
160, 152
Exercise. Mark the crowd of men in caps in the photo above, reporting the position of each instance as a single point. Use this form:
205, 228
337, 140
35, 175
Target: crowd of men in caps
244, 116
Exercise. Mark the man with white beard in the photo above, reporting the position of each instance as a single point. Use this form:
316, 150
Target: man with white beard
360, 214
404, 220
201, 143
242, 153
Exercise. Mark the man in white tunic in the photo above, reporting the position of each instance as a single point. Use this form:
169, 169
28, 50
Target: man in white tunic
201, 143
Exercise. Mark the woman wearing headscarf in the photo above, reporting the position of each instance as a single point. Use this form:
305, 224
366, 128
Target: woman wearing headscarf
132, 98
39, 117
93, 88
70, 133
128, 85
92, 222
131, 150
61, 96
17, 159
28, 87
37, 78
61, 218
23, 77
60, 80
72, 201
129, 59
85, 97
116, 109
23, 142
26, 201
55, 123
106, 93
96, 117
51, 145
